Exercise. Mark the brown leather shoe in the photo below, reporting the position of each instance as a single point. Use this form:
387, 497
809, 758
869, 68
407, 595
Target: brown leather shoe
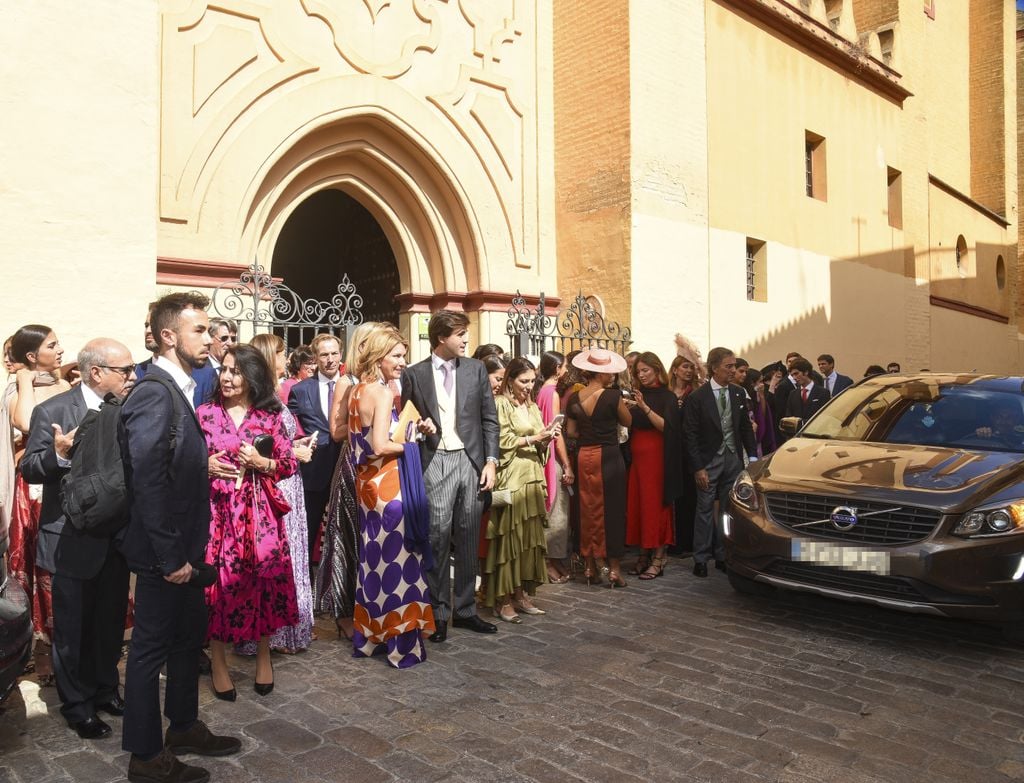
164, 768
201, 741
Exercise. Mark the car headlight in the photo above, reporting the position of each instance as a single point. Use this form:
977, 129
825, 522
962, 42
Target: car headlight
744, 493
996, 521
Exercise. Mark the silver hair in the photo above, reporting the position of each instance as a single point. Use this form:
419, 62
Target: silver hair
230, 323
95, 353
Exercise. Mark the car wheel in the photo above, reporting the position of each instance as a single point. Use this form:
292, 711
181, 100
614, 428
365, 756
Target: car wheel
747, 586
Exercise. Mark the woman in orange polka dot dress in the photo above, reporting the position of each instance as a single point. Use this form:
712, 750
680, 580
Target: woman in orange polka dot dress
392, 600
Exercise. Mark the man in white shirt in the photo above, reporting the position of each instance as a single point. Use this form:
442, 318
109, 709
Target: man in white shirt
832, 380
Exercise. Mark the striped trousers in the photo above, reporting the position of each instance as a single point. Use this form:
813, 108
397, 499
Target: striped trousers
453, 489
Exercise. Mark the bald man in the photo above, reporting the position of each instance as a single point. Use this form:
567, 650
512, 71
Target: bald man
90, 576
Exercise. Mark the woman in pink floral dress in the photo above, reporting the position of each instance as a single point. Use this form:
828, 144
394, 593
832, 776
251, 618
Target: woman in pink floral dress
254, 594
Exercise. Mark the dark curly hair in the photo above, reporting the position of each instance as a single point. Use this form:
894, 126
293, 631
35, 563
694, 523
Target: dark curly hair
258, 377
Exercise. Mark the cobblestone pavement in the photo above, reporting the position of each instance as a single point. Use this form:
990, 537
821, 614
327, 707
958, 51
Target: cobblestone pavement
674, 679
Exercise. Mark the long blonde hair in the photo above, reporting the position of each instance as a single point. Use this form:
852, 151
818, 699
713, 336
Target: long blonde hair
378, 344
269, 346
356, 343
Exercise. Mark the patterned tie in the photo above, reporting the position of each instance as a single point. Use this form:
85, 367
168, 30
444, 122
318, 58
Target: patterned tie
449, 377
803, 395
721, 399
330, 396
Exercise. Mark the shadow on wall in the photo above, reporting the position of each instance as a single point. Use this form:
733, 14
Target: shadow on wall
962, 319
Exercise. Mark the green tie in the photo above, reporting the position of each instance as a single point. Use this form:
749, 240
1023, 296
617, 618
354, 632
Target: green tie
721, 399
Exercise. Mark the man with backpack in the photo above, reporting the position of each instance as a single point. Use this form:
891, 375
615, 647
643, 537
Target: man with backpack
90, 576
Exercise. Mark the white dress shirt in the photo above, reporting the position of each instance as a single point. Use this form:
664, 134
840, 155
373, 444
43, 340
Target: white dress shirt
182, 379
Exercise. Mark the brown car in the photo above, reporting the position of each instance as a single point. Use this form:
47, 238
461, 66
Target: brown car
904, 491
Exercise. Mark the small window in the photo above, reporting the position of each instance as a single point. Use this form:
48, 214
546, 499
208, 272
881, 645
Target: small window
814, 166
895, 181
757, 271
1000, 273
960, 255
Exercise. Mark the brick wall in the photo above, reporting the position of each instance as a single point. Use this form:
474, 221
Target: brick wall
592, 136
987, 104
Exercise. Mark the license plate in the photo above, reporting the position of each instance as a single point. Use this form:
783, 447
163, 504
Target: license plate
852, 558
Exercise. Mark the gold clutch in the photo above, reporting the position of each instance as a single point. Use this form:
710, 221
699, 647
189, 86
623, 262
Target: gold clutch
405, 427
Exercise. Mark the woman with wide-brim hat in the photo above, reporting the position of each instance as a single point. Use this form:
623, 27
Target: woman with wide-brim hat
593, 415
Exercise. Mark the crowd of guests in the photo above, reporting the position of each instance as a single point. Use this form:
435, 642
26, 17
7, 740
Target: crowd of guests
265, 487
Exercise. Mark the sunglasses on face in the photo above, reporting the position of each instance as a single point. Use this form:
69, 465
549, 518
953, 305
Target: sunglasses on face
228, 338
126, 371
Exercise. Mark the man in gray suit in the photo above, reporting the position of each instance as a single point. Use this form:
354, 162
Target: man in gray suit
90, 576
459, 463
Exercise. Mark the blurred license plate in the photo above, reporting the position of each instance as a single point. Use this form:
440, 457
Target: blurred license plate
852, 558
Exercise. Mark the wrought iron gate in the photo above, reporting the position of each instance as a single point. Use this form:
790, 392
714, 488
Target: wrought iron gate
262, 304
578, 326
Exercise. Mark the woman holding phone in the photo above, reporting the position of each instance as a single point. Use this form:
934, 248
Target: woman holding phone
254, 595
516, 547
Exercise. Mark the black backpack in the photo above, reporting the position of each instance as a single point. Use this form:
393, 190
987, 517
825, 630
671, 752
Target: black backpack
94, 494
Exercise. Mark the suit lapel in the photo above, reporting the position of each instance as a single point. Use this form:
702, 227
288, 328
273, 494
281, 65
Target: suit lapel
462, 380
711, 403
424, 373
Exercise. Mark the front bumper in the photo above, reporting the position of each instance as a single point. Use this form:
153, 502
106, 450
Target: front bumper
978, 579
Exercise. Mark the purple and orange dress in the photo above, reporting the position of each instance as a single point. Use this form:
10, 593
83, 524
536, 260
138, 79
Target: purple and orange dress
392, 599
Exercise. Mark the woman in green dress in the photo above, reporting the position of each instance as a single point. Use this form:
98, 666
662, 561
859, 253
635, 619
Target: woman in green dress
516, 550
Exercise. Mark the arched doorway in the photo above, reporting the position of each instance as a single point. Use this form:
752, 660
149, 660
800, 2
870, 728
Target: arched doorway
330, 235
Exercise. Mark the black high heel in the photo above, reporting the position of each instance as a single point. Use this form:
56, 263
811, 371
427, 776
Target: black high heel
264, 689
230, 695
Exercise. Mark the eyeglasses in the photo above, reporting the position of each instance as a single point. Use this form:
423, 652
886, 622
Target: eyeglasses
126, 371
228, 338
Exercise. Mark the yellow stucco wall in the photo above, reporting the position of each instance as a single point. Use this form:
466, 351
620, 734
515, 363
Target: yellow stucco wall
78, 163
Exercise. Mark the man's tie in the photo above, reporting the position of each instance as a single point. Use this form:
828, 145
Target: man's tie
721, 399
330, 397
449, 377
803, 395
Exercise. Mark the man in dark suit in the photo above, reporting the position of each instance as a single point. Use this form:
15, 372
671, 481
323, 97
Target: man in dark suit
833, 381
90, 577
808, 397
716, 431
310, 402
459, 462
169, 498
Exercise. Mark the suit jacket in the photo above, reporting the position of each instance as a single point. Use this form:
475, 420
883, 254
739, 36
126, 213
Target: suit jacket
60, 548
304, 403
475, 416
816, 398
780, 397
169, 493
702, 425
842, 382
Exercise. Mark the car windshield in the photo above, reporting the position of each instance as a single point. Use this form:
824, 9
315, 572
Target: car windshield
924, 412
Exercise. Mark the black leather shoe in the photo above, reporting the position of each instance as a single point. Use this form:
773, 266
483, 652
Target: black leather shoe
91, 728
474, 624
113, 707
164, 768
720, 565
439, 635
200, 740
700, 569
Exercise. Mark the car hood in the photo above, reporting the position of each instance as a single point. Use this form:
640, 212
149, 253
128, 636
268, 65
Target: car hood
944, 478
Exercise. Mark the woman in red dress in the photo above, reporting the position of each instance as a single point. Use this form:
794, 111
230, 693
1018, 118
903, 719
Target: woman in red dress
38, 350
254, 594
654, 473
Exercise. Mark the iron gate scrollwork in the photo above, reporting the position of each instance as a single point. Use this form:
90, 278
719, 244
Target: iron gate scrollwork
270, 306
578, 326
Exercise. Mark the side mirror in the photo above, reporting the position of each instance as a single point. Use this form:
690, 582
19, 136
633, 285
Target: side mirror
791, 425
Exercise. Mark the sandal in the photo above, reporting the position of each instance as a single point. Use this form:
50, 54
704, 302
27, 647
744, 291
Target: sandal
641, 565
509, 616
656, 569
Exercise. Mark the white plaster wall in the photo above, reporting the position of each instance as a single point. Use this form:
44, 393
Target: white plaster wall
668, 173
78, 98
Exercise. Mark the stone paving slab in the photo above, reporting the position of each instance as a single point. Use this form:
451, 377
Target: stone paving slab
674, 679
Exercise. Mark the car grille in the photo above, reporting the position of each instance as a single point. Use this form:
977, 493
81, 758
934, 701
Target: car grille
868, 584
901, 526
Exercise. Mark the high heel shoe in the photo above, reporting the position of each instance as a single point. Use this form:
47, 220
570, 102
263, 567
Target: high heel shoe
265, 688
614, 580
591, 576
229, 695
526, 608
510, 616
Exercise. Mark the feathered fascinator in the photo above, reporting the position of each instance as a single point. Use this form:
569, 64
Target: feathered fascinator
690, 352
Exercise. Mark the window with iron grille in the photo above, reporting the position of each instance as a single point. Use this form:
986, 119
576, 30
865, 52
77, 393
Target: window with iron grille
815, 175
757, 270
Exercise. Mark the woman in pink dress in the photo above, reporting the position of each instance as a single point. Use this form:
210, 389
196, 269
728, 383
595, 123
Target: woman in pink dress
254, 594
558, 473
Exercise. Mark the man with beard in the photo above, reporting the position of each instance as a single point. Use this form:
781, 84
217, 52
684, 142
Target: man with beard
205, 377
169, 501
